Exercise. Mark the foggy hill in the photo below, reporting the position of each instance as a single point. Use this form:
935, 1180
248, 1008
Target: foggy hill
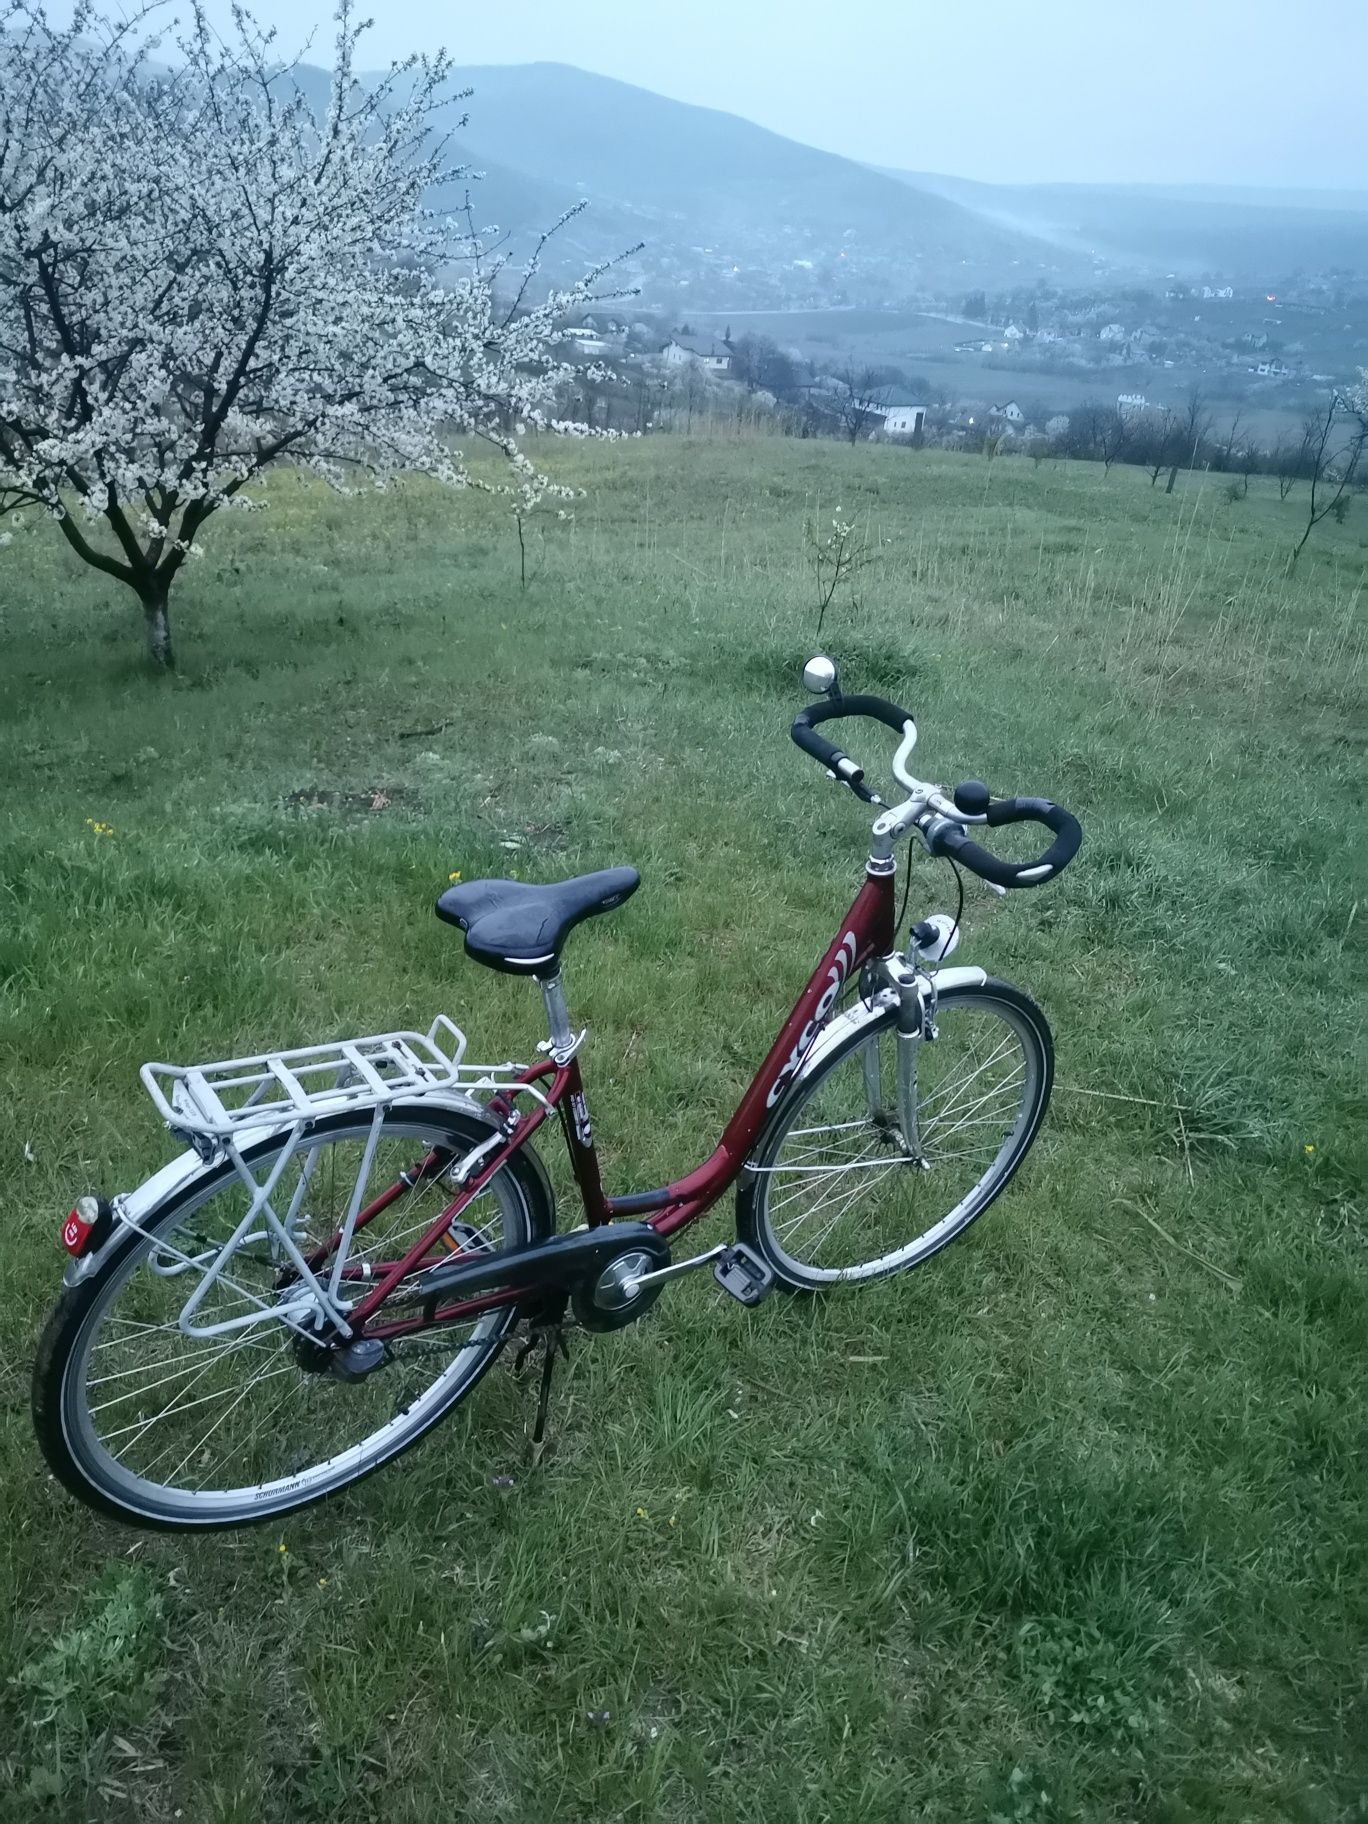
1259, 235
709, 192
734, 216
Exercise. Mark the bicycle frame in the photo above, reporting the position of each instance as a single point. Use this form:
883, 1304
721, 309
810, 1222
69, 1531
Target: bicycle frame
866, 932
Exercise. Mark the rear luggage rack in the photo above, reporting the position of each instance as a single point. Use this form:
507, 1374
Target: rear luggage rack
221, 1100
218, 1108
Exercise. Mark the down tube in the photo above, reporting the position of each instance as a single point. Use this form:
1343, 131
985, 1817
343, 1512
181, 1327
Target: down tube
866, 931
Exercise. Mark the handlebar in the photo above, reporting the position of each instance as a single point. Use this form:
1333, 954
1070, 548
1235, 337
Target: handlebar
941, 823
946, 837
848, 771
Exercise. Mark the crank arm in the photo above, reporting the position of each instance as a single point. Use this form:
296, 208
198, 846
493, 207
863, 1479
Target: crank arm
738, 1270
632, 1286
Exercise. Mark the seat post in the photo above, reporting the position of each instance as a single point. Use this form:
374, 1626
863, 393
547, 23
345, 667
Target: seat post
557, 1018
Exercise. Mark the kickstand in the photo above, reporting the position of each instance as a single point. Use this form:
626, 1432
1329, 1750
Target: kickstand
552, 1340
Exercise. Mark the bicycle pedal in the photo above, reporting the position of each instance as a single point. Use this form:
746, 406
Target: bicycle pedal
742, 1274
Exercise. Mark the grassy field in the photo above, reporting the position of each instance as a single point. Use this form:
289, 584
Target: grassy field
1069, 1525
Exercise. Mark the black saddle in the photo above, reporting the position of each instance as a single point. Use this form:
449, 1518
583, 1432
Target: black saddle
522, 929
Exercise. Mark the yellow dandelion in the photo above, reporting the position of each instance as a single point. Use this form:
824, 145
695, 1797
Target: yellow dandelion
641, 1514
455, 876
281, 1548
1308, 1148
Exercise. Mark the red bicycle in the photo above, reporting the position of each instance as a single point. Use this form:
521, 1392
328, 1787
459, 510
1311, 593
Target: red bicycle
355, 1230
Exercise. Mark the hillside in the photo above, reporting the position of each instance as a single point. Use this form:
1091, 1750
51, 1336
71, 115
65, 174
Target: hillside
727, 209
732, 216
1260, 236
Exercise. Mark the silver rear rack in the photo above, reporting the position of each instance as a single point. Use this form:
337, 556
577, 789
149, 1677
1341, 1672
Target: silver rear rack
218, 1107
221, 1100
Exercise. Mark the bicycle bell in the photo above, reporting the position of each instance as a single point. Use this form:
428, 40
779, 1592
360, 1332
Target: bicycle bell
821, 678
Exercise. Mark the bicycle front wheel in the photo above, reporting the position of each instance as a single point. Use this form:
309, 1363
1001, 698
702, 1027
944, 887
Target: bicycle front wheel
832, 1193
236, 1421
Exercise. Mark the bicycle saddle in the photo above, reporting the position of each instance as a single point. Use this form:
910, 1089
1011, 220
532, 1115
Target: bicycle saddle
522, 929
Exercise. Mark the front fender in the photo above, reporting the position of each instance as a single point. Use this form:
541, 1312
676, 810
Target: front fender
134, 1209
863, 1014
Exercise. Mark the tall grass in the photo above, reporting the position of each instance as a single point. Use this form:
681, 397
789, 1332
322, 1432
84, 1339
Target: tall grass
1067, 1525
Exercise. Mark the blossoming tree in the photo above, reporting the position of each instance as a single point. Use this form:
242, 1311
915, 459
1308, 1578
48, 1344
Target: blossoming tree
202, 274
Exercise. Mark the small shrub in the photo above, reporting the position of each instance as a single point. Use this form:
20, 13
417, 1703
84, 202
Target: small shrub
1079, 1678
98, 1673
837, 558
1026, 1799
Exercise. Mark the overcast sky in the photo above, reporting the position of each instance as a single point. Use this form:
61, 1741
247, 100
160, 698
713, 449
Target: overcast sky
1163, 91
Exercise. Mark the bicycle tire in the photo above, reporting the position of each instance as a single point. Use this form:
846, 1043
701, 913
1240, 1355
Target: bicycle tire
86, 1467
825, 1154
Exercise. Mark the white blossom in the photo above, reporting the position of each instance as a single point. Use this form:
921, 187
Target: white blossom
198, 278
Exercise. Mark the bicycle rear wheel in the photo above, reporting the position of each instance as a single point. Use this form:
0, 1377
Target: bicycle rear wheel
832, 1195
160, 1428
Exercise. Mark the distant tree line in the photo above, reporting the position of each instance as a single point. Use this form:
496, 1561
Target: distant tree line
1326, 455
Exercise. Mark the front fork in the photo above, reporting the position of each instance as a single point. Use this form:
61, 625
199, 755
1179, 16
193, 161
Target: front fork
915, 1022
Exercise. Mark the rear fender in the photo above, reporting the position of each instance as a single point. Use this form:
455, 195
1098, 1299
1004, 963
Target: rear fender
134, 1209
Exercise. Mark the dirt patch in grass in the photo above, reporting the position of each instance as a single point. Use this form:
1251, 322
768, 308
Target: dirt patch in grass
371, 801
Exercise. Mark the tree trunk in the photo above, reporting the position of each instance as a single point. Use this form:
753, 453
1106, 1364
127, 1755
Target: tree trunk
1173, 476
157, 625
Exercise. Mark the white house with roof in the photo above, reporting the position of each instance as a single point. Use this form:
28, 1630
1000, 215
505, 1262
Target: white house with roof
587, 341
679, 353
1011, 412
904, 420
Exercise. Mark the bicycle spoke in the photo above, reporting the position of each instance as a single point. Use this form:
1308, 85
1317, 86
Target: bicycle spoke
177, 1405
267, 1374
844, 1198
136, 1393
833, 1189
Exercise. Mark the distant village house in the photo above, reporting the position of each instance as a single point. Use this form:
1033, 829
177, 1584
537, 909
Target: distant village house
904, 420
712, 360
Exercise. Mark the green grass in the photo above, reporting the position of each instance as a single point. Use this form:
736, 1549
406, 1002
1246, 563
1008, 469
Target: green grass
1069, 1525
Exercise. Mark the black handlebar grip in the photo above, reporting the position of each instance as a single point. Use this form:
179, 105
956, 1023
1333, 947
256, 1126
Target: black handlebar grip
817, 745
950, 839
848, 771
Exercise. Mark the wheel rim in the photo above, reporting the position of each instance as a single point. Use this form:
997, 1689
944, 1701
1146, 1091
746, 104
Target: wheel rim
841, 1198
209, 1429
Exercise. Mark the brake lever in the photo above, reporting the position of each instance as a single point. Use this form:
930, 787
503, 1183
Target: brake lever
860, 789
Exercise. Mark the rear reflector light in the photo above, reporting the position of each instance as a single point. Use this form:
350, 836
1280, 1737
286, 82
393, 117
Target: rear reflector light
80, 1226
